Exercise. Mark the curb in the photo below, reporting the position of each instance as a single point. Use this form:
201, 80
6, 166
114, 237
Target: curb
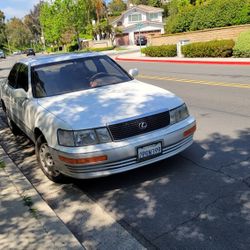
241, 63
59, 234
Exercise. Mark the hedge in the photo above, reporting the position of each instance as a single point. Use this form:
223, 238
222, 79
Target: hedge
160, 51
212, 14
215, 48
101, 49
242, 45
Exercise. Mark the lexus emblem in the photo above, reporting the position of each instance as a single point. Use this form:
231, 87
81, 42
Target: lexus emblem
142, 125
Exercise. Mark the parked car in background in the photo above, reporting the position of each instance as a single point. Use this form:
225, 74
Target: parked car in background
2, 54
19, 52
30, 52
89, 118
141, 40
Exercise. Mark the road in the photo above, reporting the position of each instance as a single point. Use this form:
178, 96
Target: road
199, 199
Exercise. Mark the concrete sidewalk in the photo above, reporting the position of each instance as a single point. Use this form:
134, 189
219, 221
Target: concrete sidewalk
138, 57
26, 221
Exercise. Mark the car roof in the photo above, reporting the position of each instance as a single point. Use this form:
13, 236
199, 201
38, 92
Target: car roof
45, 59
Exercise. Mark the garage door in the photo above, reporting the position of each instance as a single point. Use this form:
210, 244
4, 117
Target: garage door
122, 40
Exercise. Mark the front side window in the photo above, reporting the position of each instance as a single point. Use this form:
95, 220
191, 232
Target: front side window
135, 18
75, 75
22, 77
13, 75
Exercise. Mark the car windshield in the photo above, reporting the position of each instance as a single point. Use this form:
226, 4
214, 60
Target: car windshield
75, 75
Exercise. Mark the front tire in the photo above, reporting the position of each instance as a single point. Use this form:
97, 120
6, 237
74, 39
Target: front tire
46, 161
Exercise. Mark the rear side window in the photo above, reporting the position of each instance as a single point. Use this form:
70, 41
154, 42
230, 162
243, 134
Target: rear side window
13, 76
22, 78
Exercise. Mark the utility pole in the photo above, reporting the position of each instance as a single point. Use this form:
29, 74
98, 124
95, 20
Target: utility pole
139, 26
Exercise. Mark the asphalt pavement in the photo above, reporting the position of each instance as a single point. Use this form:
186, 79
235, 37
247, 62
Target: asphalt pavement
199, 199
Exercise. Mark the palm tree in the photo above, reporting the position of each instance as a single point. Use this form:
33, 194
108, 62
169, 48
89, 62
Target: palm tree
99, 9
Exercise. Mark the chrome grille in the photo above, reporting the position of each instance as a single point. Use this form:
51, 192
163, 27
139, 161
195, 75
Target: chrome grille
135, 127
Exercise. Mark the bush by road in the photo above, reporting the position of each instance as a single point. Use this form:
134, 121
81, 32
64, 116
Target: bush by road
160, 51
216, 48
242, 45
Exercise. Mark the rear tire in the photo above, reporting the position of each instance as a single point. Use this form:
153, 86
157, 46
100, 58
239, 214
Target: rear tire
46, 161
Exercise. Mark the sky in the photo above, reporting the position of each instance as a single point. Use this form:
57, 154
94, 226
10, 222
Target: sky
17, 8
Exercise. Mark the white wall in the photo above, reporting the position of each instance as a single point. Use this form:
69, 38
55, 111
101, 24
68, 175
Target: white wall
145, 28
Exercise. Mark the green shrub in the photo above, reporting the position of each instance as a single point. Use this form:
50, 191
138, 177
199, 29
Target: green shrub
221, 13
101, 49
181, 22
211, 14
72, 47
160, 51
52, 49
216, 48
242, 45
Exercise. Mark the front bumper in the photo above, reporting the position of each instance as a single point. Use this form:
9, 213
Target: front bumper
122, 155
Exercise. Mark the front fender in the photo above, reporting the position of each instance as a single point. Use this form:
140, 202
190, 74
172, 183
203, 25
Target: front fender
2, 84
48, 124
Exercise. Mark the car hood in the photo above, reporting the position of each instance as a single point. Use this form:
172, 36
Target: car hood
109, 104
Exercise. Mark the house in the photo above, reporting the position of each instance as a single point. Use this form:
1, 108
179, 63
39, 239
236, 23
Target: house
141, 18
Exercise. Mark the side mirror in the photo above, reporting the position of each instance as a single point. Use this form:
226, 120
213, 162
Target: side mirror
133, 72
20, 93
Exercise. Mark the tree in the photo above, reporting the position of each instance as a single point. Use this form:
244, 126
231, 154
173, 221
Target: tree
155, 3
18, 35
76, 17
2, 30
100, 9
32, 21
137, 2
65, 19
117, 6
53, 21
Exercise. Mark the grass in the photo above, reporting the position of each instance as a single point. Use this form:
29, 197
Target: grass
27, 200
2, 165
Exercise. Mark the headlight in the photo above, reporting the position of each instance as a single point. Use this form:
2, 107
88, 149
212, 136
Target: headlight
103, 135
83, 137
66, 138
178, 114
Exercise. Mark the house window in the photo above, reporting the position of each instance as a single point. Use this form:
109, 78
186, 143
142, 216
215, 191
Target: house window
153, 16
134, 18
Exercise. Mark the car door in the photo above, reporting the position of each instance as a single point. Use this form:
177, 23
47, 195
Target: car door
21, 104
10, 87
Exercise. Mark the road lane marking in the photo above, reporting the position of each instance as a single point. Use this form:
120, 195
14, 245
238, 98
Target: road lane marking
201, 82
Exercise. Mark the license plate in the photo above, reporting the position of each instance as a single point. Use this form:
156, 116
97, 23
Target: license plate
149, 151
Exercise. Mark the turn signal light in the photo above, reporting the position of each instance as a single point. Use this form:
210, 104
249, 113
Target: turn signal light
189, 131
83, 160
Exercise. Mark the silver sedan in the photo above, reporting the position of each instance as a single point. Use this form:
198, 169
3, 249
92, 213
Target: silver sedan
89, 118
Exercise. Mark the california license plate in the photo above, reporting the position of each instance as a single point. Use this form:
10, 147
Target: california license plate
149, 151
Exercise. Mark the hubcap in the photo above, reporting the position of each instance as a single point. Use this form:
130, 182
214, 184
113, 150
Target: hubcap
47, 160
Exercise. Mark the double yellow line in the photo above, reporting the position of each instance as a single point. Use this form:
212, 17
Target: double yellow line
201, 82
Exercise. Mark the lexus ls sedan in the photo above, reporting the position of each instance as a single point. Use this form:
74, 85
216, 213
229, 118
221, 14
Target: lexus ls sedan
89, 118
